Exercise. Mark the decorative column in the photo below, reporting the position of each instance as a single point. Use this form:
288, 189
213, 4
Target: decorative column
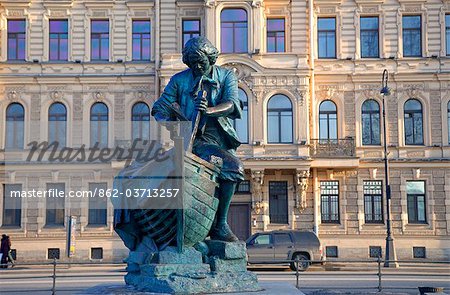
210, 24
258, 205
258, 26
301, 186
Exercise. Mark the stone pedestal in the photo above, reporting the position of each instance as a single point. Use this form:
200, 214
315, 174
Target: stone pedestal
218, 266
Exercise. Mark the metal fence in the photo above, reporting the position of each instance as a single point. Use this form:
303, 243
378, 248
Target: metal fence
52, 268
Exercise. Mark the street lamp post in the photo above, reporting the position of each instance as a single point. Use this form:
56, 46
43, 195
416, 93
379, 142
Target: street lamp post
390, 249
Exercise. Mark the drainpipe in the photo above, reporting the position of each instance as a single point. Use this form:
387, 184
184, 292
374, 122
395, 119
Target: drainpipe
312, 93
312, 96
157, 47
316, 201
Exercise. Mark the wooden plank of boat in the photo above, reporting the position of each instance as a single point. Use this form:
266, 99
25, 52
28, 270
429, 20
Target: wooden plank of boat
184, 228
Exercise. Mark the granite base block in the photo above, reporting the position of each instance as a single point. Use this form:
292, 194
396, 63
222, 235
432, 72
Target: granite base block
159, 270
171, 256
226, 250
195, 284
229, 265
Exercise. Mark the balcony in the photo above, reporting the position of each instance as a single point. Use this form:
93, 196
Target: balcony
332, 148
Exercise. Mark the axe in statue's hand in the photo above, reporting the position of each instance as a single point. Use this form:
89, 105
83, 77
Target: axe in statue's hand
201, 104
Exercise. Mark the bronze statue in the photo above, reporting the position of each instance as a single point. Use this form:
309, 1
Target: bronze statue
216, 136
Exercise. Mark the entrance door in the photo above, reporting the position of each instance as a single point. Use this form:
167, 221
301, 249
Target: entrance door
239, 220
278, 202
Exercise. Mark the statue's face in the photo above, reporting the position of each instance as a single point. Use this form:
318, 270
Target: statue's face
200, 64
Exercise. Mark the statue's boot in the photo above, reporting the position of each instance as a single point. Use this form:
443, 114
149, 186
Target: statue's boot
221, 230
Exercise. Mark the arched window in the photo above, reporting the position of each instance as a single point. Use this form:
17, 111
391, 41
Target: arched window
241, 125
370, 122
279, 119
99, 125
413, 122
328, 121
140, 119
234, 27
15, 115
448, 121
57, 123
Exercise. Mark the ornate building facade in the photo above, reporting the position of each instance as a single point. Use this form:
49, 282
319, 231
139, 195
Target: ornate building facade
310, 78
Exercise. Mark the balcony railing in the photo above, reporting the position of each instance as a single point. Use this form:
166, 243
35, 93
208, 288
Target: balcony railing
332, 148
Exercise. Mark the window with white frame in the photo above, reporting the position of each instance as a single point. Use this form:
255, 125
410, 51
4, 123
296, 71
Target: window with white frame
57, 124
141, 40
59, 40
329, 201
412, 35
276, 35
99, 125
54, 213
12, 206
279, 119
448, 121
16, 39
326, 34
370, 120
369, 36
191, 29
415, 192
447, 34
413, 122
97, 204
328, 128
100, 40
140, 119
15, 116
234, 30
373, 201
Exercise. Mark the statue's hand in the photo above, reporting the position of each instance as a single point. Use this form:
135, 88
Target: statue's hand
201, 104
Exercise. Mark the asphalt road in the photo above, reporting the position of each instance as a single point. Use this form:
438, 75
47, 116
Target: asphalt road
74, 280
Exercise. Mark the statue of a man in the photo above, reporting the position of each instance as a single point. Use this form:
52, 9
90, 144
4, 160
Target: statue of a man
216, 136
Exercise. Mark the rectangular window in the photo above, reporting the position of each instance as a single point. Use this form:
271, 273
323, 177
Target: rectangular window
327, 37
100, 40
373, 201
243, 187
276, 36
331, 251
96, 253
447, 33
54, 214
375, 252
16, 39
415, 191
59, 40
53, 253
419, 252
369, 36
97, 204
191, 28
12, 206
141, 40
329, 205
278, 202
412, 36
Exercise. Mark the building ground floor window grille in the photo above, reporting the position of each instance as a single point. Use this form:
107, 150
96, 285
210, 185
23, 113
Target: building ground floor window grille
373, 201
278, 202
329, 204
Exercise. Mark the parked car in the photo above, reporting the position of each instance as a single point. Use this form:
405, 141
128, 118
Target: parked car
276, 247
